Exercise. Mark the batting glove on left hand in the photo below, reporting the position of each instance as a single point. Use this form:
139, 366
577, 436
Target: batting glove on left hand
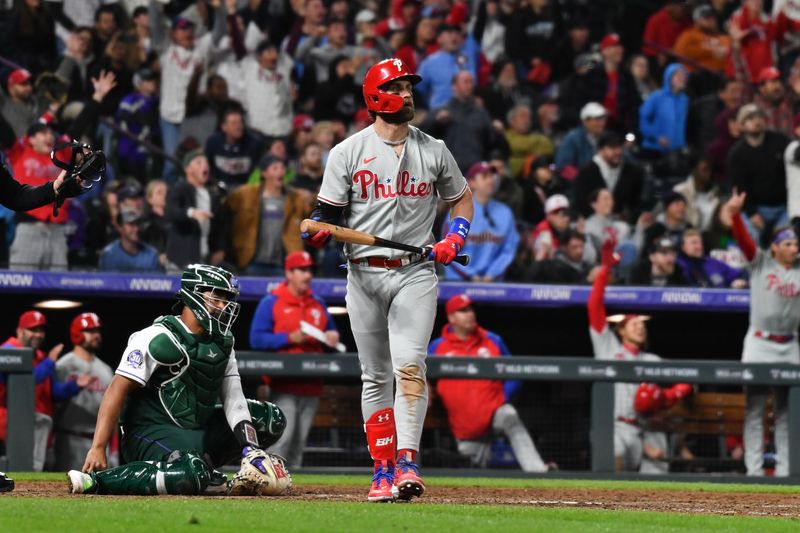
447, 249
319, 239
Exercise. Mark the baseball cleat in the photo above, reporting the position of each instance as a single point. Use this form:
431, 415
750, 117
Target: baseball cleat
6, 483
80, 483
407, 480
383, 488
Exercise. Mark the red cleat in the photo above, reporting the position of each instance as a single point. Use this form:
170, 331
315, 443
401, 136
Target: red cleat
382, 489
407, 479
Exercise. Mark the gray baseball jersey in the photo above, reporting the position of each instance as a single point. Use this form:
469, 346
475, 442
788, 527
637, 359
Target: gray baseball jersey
391, 196
80, 412
774, 310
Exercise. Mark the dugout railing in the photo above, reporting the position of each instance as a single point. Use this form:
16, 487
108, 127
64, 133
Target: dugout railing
16, 364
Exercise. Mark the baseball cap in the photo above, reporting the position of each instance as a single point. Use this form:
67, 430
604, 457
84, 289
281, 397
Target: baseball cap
302, 122
298, 260
612, 39
366, 15
768, 74
747, 111
702, 12
31, 319
457, 303
663, 244
622, 319
182, 23
20, 75
37, 127
477, 168
671, 197
143, 74
268, 160
593, 110
191, 155
128, 191
556, 202
129, 216
609, 138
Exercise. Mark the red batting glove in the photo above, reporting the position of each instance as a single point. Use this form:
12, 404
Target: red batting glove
677, 392
447, 249
319, 239
607, 256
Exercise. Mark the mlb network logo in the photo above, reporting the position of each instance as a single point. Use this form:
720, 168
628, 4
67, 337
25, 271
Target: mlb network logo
384, 441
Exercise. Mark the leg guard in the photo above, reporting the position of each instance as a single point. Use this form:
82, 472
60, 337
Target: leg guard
183, 472
381, 436
269, 421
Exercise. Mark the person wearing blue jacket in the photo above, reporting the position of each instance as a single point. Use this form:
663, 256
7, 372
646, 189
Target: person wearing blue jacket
662, 117
456, 53
493, 237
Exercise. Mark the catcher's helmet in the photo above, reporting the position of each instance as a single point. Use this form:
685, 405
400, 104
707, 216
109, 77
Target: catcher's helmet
381, 73
211, 293
80, 323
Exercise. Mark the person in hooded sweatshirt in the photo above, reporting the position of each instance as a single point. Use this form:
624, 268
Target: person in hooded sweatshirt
339, 97
662, 117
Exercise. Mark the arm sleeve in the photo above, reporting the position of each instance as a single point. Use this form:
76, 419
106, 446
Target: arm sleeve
450, 184
595, 305
158, 36
262, 336
44, 370
743, 238
335, 189
233, 401
20, 197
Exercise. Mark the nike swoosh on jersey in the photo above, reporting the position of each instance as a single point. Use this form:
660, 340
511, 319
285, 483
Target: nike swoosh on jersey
370, 159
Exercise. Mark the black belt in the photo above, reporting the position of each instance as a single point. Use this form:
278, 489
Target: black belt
387, 263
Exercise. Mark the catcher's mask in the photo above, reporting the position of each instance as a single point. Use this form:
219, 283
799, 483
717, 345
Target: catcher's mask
85, 167
211, 293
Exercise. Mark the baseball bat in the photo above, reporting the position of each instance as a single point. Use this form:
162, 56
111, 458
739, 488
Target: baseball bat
352, 236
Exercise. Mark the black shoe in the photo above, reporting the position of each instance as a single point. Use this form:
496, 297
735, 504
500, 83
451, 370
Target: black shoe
6, 483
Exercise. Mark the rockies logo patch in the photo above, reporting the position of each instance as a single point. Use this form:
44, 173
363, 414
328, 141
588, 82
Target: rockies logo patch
135, 359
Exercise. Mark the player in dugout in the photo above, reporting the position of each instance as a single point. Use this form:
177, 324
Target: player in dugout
627, 342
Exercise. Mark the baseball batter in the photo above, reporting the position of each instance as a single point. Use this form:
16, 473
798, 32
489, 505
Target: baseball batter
76, 418
390, 176
166, 388
625, 345
771, 336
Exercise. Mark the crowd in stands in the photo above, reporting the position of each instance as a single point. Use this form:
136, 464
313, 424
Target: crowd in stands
572, 125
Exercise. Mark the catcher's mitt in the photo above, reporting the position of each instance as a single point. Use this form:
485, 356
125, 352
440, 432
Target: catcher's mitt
261, 474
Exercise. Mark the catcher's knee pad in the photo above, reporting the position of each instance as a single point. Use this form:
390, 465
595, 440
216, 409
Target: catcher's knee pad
269, 421
184, 472
506, 417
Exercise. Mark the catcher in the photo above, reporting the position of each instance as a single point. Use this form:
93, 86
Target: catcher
166, 388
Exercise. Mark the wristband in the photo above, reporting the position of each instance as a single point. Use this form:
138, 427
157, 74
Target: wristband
245, 434
459, 226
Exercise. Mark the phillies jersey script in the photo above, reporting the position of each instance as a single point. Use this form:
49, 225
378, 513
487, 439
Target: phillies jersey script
774, 295
391, 196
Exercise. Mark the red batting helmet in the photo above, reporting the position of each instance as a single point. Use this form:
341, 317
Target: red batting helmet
381, 73
80, 323
648, 398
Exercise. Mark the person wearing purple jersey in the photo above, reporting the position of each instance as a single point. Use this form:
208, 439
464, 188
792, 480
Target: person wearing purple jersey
390, 176
772, 334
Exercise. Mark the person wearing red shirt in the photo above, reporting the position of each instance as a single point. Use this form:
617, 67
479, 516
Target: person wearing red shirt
276, 327
662, 30
752, 35
30, 334
477, 409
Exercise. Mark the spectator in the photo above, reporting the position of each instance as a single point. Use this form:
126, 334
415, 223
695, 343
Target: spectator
421, 41
728, 132
265, 220
75, 62
402, 15
309, 175
700, 270
338, 98
477, 410
612, 86
30, 334
702, 127
29, 35
439, 69
752, 39
701, 194
530, 34
658, 269
504, 91
302, 127
105, 28
545, 238
462, 123
494, 235
203, 110
278, 325
755, 166
522, 141
138, 114
603, 225
776, 104
268, 94
489, 30
113, 60
608, 169
663, 29
368, 39
573, 44
567, 265
193, 213
671, 222
539, 183
179, 57
317, 53
703, 44
154, 222
128, 253
640, 72
76, 418
21, 108
232, 150
548, 120
662, 117
580, 144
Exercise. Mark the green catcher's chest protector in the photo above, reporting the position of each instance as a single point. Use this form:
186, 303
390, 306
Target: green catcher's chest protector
190, 379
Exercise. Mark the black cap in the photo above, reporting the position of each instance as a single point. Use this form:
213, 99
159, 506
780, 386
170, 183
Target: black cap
37, 127
609, 138
269, 159
662, 244
128, 191
448, 27
672, 196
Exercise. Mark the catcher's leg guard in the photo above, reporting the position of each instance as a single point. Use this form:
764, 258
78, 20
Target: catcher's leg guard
183, 472
269, 421
382, 444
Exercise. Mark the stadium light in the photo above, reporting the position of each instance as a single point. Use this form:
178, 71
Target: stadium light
57, 304
337, 310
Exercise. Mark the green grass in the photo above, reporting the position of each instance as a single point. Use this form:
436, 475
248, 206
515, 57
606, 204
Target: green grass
151, 515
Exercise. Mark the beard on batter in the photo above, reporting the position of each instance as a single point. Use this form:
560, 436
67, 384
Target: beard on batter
405, 114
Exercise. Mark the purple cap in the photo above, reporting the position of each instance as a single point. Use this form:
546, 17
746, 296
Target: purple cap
477, 168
